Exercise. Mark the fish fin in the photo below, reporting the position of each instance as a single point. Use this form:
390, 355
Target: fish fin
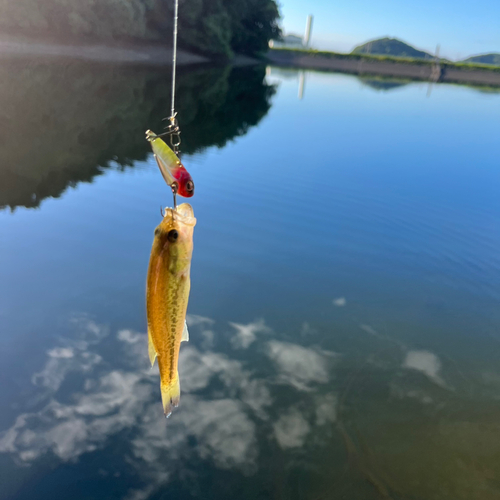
185, 333
151, 349
171, 395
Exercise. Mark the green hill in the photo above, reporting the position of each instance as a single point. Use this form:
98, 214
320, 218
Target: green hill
484, 59
391, 47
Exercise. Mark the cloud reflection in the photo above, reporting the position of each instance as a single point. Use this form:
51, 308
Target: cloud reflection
69, 430
246, 334
74, 357
425, 362
326, 409
340, 302
223, 401
291, 430
242, 410
298, 366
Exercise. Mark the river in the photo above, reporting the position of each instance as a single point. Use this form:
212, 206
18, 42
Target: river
344, 313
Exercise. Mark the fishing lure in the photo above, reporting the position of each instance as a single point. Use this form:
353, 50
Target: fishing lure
171, 168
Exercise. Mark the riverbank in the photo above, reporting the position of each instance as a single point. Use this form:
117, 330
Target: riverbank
152, 54
148, 54
360, 64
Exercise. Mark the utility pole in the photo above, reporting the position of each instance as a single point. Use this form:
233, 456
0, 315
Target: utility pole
436, 71
307, 36
302, 83
436, 67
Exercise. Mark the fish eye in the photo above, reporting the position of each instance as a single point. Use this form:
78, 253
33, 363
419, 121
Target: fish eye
189, 186
173, 235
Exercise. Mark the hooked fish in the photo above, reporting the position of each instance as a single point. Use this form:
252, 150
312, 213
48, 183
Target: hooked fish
167, 294
170, 166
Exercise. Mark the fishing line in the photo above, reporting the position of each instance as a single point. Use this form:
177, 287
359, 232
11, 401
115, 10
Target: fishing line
174, 58
172, 129
175, 141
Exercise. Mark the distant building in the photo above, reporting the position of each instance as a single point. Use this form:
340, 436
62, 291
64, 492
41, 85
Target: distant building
288, 42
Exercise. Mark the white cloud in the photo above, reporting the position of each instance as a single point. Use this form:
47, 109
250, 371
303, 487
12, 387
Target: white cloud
130, 336
87, 331
224, 431
206, 331
196, 369
246, 334
326, 409
427, 363
208, 337
257, 396
69, 430
73, 358
297, 365
222, 402
340, 302
60, 352
194, 319
137, 494
291, 430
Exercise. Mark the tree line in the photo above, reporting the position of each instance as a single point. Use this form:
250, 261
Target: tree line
216, 28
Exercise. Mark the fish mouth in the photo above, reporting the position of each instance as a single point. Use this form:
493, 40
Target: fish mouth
184, 214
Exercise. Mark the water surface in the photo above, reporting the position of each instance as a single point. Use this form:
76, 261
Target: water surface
345, 285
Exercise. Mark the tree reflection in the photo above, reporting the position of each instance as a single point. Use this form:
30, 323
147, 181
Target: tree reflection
64, 123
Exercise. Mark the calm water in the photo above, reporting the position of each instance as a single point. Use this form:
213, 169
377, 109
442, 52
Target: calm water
344, 314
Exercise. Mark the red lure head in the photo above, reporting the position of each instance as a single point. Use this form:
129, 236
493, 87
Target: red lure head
186, 184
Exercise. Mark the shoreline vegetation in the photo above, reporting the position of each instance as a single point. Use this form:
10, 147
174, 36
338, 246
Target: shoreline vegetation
216, 29
390, 66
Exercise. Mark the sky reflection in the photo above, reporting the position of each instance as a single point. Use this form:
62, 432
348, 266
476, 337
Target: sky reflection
346, 345
223, 401
240, 414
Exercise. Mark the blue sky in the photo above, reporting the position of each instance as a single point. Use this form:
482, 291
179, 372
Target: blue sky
462, 28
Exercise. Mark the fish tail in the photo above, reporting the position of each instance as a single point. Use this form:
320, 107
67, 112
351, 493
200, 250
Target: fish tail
171, 395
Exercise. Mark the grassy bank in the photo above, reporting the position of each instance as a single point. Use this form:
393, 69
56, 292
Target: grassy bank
384, 59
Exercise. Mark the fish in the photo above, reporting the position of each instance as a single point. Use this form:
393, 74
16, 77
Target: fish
167, 293
170, 166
